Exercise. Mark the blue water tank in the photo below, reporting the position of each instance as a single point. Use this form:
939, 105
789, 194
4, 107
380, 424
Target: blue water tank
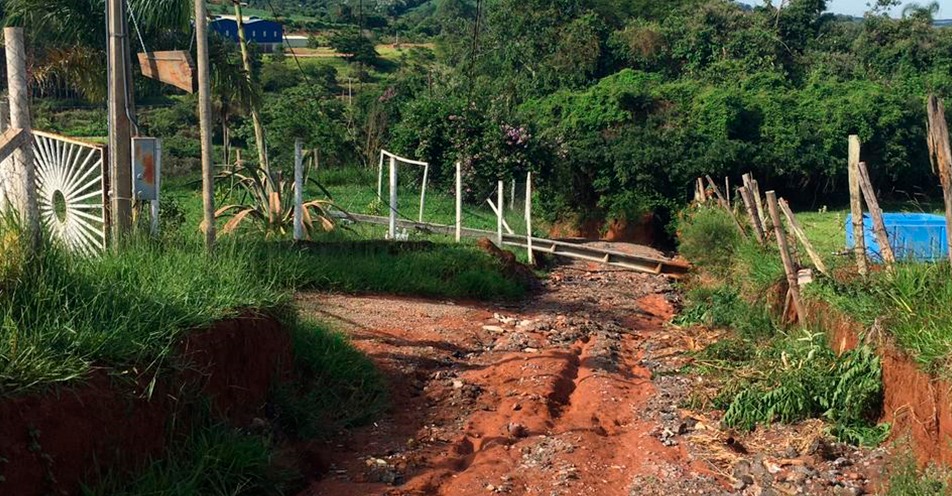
912, 236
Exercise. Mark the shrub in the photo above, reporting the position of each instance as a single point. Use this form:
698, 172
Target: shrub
708, 238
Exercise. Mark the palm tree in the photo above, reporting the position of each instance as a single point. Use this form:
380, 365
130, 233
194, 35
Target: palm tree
69, 47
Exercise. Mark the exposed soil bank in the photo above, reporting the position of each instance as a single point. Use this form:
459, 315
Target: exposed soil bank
51, 442
915, 403
644, 231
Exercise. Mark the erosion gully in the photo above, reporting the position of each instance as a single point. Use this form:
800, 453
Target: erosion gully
558, 395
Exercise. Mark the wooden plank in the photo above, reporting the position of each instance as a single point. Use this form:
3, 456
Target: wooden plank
801, 234
752, 214
856, 206
11, 140
793, 281
879, 227
175, 68
940, 153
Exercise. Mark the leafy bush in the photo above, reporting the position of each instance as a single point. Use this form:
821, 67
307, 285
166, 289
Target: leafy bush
708, 238
810, 381
724, 307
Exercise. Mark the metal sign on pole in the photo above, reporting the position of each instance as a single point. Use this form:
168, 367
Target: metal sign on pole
146, 173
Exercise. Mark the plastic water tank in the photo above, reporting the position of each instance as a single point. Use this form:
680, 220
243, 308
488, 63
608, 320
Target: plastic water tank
912, 236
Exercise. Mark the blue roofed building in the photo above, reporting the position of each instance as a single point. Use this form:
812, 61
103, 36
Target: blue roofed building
266, 34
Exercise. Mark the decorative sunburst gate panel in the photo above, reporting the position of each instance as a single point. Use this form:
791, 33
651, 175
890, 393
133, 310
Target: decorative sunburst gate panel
71, 185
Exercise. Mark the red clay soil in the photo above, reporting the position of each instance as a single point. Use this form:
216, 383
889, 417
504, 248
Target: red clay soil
544, 398
916, 404
51, 442
639, 231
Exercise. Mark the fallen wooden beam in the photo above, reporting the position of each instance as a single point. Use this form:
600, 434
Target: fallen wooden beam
802, 236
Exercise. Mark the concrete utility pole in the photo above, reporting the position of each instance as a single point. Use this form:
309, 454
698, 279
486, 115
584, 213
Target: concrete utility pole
255, 118
120, 113
23, 174
205, 117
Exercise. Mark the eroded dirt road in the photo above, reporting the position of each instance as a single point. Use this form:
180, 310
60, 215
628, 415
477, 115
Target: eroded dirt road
581, 390
547, 397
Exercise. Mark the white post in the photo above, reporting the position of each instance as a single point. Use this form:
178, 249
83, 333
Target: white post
23, 170
529, 217
499, 200
512, 195
459, 202
392, 232
158, 187
298, 191
426, 172
380, 177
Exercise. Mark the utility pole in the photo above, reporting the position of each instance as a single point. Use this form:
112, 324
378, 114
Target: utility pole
24, 173
205, 117
120, 122
255, 118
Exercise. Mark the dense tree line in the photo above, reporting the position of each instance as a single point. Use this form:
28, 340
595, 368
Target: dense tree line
620, 104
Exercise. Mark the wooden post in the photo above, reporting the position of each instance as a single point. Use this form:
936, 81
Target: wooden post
529, 217
426, 172
298, 190
856, 206
4, 113
205, 118
459, 202
392, 231
941, 154
802, 236
23, 174
723, 203
702, 190
120, 124
727, 192
499, 199
876, 213
759, 203
788, 266
255, 117
512, 195
752, 214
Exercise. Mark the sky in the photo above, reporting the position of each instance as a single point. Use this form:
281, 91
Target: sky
858, 7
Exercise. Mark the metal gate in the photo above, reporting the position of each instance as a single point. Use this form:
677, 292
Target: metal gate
72, 186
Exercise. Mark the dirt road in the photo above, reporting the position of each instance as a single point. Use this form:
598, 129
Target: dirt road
547, 397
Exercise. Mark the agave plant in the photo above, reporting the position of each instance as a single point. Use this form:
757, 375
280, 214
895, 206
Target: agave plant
267, 200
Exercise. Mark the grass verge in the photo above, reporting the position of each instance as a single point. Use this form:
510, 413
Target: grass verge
768, 373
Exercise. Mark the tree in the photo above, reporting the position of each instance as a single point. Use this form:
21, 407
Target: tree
355, 46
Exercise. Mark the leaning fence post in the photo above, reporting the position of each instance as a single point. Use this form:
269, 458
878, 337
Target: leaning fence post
788, 266
856, 206
802, 236
752, 214
529, 217
879, 227
724, 204
459, 202
298, 191
940, 152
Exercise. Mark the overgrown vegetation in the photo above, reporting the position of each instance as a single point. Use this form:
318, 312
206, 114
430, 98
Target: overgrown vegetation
907, 479
768, 373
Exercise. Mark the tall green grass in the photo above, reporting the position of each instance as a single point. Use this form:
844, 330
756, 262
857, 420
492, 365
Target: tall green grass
61, 313
913, 305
